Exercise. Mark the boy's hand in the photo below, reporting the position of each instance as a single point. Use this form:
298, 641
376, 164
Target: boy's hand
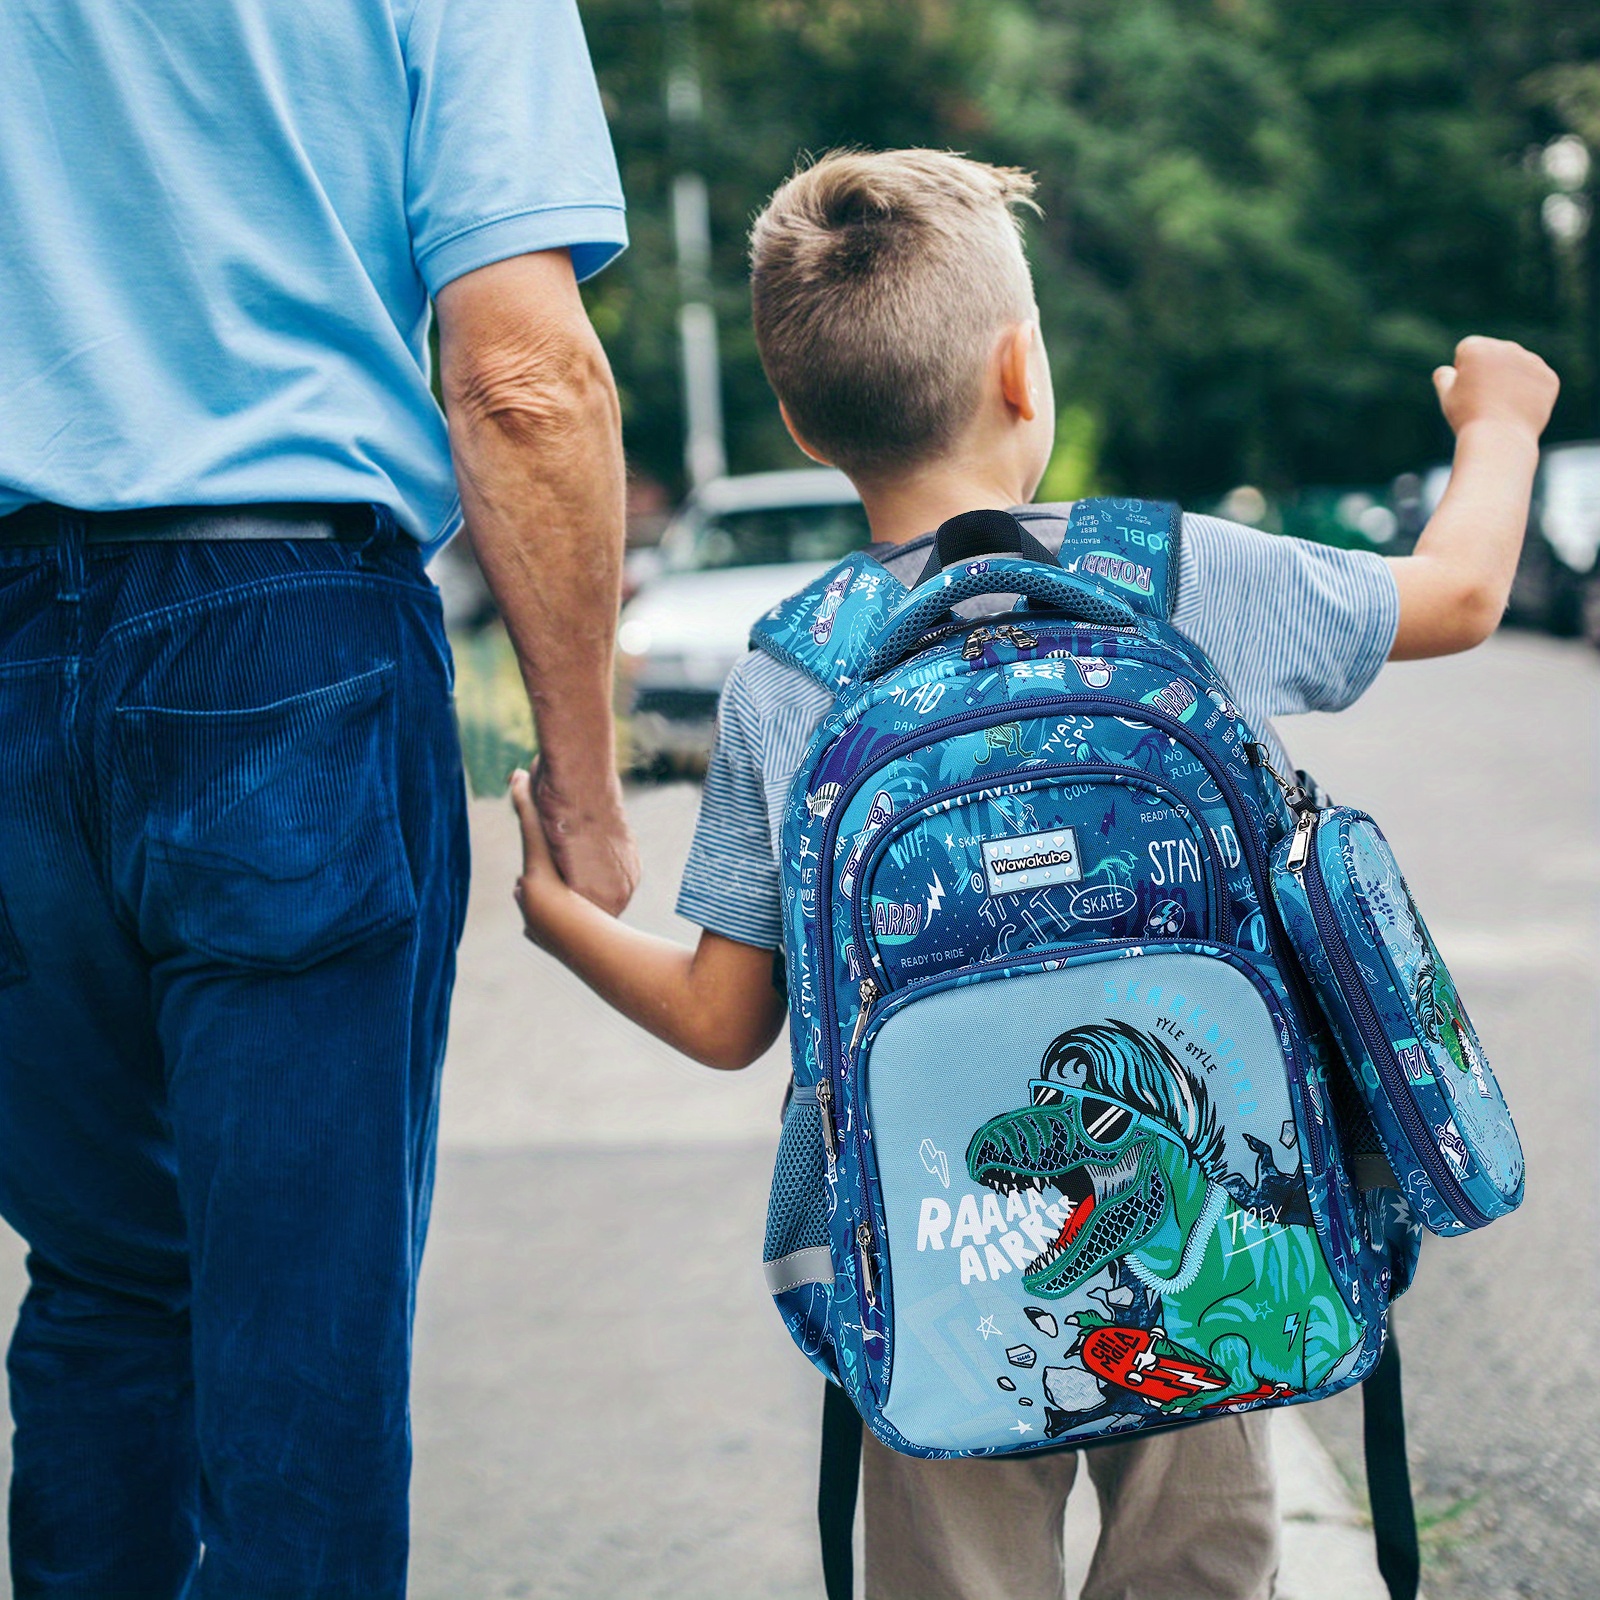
541, 889
1496, 380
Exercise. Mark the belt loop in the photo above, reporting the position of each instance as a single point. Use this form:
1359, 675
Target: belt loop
385, 530
71, 562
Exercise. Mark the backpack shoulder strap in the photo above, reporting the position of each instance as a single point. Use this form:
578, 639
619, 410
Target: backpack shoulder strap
1394, 1521
829, 629
1127, 546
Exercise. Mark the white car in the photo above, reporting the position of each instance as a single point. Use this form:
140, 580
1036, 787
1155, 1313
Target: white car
736, 548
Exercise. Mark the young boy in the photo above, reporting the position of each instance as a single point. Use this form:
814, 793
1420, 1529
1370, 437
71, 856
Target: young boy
895, 317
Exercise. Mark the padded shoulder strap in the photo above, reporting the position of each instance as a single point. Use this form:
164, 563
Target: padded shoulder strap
1129, 547
829, 629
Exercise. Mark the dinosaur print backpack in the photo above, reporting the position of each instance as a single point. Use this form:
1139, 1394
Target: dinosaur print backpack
1070, 1150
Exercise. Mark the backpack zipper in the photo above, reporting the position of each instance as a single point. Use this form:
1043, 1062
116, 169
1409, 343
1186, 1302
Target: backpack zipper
1369, 1026
830, 1134
1218, 908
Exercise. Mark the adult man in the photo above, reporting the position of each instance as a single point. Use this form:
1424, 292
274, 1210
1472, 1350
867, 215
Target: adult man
232, 850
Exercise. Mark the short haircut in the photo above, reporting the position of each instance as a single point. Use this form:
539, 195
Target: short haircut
880, 281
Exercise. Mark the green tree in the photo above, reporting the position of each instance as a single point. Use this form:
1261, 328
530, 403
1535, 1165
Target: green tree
1265, 220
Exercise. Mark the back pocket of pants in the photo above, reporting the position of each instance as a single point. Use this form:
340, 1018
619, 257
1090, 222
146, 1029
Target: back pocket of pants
271, 835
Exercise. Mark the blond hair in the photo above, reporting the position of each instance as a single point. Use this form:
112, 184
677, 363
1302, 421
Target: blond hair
880, 281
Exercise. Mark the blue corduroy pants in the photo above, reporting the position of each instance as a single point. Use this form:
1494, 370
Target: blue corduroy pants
233, 873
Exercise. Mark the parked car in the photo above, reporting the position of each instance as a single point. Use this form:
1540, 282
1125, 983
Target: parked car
1566, 518
738, 546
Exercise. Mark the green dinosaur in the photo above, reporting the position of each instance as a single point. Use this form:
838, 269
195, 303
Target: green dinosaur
1233, 1272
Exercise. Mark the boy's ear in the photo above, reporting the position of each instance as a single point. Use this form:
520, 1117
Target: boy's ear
799, 439
1017, 379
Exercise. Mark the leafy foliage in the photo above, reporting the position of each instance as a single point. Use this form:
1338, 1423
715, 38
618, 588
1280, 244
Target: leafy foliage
1265, 220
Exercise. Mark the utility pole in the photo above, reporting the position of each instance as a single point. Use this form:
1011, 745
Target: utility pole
705, 456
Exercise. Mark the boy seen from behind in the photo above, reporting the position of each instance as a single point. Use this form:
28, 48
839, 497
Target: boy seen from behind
896, 320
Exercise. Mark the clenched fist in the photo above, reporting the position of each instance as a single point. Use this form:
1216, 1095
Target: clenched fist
1496, 380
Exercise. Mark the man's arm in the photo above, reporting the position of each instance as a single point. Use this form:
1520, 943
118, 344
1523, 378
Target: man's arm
715, 1002
1453, 588
535, 432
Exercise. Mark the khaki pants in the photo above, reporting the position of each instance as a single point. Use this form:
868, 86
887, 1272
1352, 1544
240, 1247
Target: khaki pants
1190, 1515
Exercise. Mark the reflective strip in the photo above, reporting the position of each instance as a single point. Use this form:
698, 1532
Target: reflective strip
802, 1266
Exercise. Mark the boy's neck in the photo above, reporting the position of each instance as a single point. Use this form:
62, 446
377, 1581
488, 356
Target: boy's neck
909, 505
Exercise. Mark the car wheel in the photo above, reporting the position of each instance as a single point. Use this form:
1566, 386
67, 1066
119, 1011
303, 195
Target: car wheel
1544, 593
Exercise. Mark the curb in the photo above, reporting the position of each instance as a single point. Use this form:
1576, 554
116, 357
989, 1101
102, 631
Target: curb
1328, 1552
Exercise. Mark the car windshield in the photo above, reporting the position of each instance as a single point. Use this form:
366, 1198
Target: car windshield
774, 535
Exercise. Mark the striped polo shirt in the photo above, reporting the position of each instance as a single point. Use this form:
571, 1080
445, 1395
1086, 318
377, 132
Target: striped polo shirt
1290, 626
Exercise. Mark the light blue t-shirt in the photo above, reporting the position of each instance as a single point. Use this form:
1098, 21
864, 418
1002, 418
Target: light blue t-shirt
223, 221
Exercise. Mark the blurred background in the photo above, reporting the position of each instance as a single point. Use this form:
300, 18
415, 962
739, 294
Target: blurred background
1265, 222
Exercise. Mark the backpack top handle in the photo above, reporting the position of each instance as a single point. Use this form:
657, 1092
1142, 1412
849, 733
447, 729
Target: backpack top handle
1039, 579
982, 533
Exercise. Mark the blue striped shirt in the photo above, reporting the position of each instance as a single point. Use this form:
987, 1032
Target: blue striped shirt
1291, 627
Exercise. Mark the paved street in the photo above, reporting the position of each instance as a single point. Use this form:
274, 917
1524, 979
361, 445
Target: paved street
607, 1406
1483, 772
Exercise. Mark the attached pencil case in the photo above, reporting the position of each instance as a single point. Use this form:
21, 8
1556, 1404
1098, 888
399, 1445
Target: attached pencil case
1393, 1007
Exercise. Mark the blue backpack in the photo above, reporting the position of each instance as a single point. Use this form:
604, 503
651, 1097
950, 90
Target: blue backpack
1071, 1152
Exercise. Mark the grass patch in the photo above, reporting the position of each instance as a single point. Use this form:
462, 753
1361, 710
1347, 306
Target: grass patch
492, 713
493, 717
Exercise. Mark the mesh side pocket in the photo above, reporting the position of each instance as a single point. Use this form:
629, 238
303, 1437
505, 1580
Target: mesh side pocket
1363, 1149
797, 1213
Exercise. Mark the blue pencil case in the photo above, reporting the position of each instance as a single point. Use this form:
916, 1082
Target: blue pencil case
1399, 1021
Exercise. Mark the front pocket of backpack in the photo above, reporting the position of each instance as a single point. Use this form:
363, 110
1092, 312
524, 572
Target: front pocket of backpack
1092, 1207
1064, 856
271, 837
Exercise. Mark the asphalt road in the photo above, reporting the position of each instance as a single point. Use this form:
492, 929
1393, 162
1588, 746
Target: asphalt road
1483, 773
605, 1404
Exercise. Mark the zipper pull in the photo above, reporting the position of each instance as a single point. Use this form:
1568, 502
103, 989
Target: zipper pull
1300, 848
1294, 794
869, 996
830, 1134
868, 1282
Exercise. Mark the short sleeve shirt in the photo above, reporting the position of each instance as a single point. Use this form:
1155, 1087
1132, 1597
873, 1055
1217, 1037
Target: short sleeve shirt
225, 220
1290, 626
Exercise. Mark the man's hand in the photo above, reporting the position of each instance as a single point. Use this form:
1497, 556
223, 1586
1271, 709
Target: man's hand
536, 435
588, 836
1495, 380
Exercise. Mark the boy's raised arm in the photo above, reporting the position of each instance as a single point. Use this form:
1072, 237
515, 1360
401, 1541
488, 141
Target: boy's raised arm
715, 1002
1454, 586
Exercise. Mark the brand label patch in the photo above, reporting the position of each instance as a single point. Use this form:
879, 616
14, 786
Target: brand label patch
1034, 861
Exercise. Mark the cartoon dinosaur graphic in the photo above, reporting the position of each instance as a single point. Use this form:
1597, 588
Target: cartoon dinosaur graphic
1130, 1139
1005, 736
